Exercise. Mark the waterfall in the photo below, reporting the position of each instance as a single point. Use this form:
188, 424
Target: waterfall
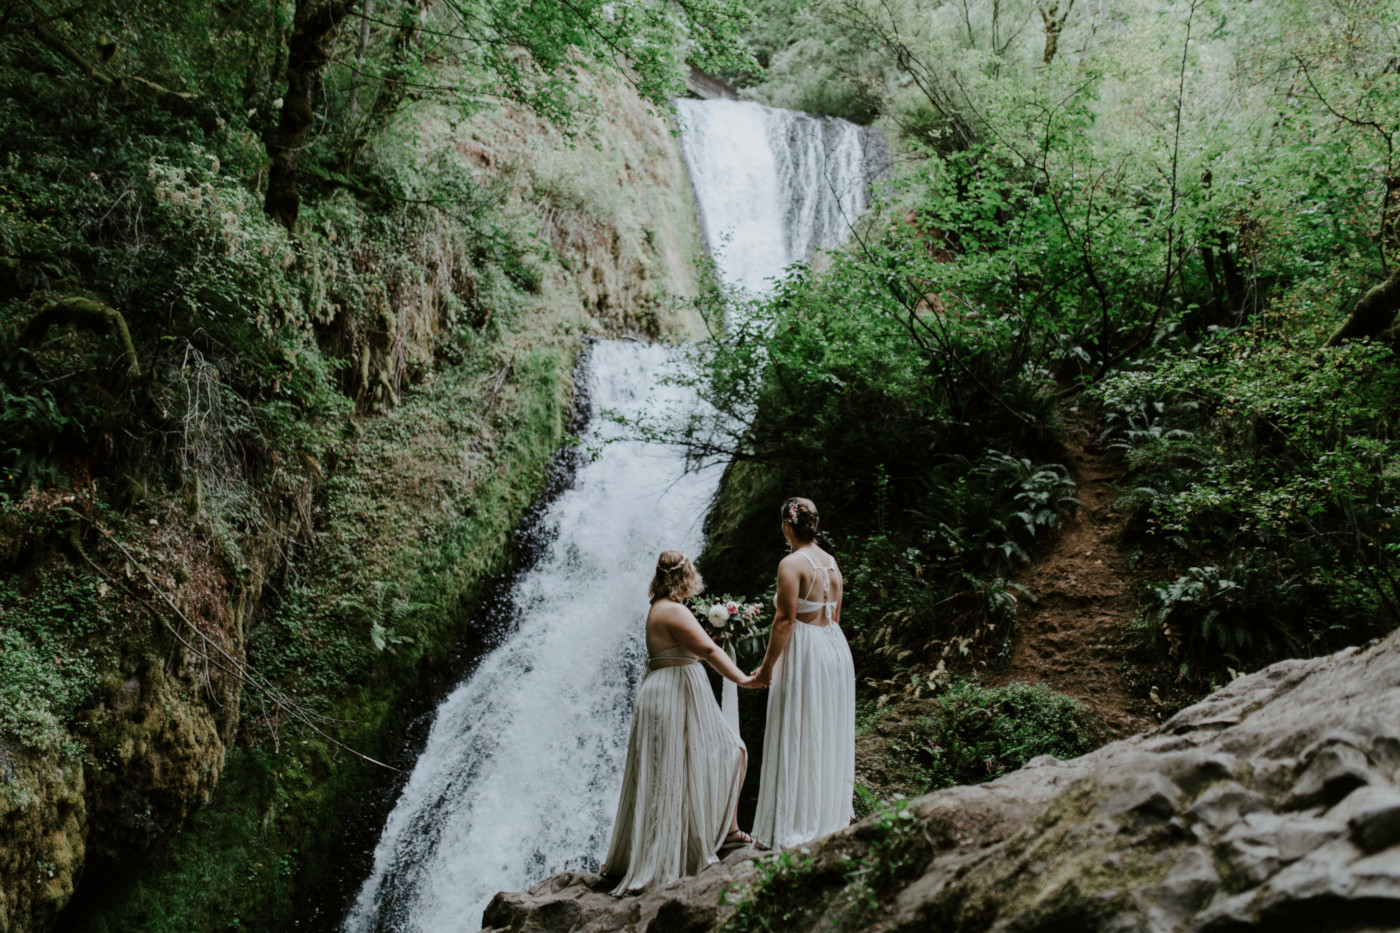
772, 187
521, 771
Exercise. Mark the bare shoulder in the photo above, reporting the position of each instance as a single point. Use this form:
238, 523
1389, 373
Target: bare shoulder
792, 562
670, 612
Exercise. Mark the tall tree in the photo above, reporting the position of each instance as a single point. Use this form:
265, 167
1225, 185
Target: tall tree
313, 28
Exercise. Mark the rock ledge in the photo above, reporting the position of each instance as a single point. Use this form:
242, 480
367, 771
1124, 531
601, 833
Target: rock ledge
1271, 804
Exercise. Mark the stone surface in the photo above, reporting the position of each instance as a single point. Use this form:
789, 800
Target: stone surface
1271, 804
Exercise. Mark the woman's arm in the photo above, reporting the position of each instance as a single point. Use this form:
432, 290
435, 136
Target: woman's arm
783, 621
840, 595
682, 625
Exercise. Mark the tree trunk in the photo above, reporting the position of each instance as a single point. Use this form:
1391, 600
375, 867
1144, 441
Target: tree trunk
314, 27
1054, 24
1235, 286
1373, 313
361, 53
394, 88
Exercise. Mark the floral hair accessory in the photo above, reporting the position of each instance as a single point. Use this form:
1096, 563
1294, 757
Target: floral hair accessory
792, 514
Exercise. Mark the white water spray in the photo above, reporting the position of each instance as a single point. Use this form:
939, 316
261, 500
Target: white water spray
772, 187
522, 768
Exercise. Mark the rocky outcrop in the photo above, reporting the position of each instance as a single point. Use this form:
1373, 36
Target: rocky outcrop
1271, 804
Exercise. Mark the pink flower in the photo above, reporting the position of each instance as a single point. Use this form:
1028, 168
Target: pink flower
733, 609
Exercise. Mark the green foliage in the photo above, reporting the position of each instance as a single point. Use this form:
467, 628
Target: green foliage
899, 851
1158, 216
354, 415
884, 414
792, 890
47, 622
967, 734
781, 898
41, 429
1280, 465
941, 578
387, 558
975, 733
805, 61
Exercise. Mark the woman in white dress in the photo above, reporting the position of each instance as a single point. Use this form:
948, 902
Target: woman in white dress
809, 747
685, 765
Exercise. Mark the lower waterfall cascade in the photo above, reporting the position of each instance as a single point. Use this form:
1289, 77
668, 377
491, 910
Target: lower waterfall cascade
521, 772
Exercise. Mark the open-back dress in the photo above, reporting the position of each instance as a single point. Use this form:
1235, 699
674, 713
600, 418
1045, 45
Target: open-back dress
809, 746
680, 786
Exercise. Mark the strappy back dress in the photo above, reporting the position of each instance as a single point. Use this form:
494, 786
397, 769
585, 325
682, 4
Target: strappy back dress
809, 746
680, 786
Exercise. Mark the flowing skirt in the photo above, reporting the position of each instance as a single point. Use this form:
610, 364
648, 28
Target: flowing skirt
681, 784
809, 747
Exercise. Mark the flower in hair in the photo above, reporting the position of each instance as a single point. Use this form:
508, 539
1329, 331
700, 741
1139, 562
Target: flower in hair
792, 514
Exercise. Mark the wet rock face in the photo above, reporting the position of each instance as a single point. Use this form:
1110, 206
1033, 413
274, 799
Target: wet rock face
1272, 804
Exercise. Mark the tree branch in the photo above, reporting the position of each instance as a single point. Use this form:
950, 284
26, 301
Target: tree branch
85, 313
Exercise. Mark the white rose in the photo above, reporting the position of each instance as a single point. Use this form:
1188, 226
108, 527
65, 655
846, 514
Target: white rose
719, 615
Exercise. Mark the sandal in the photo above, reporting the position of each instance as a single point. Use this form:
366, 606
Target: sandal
738, 839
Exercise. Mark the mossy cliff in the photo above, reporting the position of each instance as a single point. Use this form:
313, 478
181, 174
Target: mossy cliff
207, 629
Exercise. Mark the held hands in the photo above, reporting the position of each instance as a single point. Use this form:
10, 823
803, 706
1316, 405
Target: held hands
760, 678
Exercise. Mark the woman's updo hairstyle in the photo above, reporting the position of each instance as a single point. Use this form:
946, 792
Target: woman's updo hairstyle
801, 516
675, 577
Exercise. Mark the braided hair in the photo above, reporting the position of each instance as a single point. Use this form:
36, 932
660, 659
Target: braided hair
801, 516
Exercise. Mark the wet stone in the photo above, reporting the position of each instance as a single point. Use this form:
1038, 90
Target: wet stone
1332, 772
1298, 836
1190, 884
1195, 770
1323, 873
1378, 876
1228, 914
1253, 862
1373, 816
1224, 804
1143, 799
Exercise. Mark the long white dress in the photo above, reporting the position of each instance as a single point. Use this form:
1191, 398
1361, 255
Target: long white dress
680, 786
809, 746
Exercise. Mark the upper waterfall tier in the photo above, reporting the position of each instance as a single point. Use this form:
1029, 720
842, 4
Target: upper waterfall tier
772, 187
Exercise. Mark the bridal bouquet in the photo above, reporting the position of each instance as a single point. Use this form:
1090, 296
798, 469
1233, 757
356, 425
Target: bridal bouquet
732, 622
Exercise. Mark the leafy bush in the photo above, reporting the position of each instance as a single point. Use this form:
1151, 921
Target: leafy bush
972, 733
964, 733
1266, 477
793, 890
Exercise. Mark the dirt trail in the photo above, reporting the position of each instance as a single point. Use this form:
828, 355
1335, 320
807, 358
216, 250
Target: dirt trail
1072, 636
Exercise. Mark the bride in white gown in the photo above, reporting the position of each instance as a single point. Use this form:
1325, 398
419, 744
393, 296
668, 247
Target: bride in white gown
685, 765
809, 759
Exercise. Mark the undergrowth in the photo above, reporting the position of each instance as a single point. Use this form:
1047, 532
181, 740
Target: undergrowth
794, 889
966, 734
